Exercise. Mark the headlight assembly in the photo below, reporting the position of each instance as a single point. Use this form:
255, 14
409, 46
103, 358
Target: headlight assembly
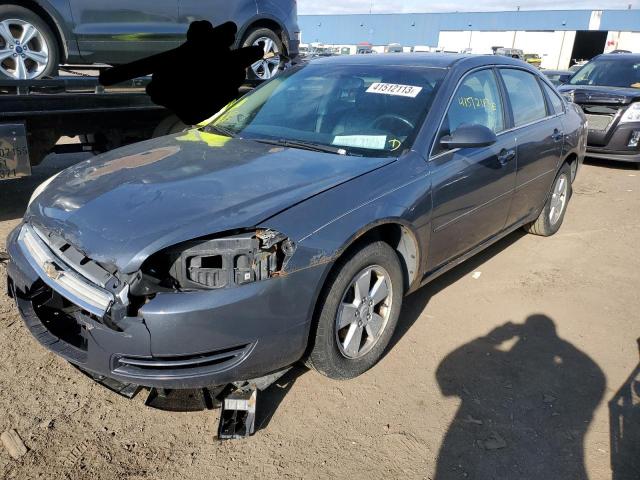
216, 263
631, 114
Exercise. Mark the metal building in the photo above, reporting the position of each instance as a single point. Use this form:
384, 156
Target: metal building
560, 37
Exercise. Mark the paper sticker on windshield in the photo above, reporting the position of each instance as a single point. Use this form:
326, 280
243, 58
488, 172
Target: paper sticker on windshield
394, 89
374, 142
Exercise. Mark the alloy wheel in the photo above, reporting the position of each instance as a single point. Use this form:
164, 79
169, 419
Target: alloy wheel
558, 198
364, 311
267, 67
24, 52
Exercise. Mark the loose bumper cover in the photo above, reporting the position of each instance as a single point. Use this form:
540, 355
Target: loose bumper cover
177, 339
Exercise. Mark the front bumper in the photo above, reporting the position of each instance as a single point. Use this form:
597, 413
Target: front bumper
613, 144
177, 340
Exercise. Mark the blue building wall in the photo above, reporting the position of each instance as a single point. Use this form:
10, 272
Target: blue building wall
424, 28
620, 20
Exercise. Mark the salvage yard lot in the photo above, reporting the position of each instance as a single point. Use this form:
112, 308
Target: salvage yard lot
460, 391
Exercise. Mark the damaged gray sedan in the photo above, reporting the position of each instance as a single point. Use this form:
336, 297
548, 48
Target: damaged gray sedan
294, 223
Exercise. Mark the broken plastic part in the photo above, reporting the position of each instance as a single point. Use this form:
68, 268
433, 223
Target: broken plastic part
238, 414
232, 260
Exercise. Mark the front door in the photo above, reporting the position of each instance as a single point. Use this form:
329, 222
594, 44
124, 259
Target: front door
471, 187
119, 31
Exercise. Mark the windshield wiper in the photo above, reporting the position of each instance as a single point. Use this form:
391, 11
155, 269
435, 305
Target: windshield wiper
314, 147
220, 129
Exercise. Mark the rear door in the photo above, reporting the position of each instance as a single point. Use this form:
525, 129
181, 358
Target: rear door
118, 31
472, 187
218, 11
539, 136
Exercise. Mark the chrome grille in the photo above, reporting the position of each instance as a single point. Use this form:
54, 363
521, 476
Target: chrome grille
599, 122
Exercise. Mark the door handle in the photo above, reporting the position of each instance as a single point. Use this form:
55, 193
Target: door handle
557, 135
506, 155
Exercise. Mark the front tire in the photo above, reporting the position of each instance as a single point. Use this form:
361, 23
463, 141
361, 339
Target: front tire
270, 67
28, 47
552, 214
358, 312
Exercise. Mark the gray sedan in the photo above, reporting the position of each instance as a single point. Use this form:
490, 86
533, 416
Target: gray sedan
291, 227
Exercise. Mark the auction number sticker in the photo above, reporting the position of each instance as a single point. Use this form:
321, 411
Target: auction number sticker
410, 91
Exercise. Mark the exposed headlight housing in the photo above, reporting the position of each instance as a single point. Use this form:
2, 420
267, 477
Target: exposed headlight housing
216, 262
40, 188
631, 114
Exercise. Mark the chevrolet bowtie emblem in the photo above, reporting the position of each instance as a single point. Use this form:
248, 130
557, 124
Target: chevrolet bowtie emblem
52, 272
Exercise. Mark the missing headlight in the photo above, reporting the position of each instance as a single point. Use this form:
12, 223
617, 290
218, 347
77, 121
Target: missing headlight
221, 262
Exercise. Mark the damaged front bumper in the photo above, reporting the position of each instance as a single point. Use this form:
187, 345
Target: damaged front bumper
187, 339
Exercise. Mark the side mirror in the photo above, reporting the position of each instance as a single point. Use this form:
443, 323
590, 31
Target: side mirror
563, 79
469, 136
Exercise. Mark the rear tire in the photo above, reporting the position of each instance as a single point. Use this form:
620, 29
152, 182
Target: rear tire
42, 46
552, 214
351, 334
265, 69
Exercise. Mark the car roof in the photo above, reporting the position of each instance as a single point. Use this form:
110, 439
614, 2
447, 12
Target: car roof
419, 59
634, 56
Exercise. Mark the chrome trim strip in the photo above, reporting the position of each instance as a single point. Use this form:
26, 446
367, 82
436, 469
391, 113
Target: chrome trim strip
59, 277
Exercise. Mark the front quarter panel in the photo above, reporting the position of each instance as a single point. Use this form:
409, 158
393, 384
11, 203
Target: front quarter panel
575, 129
325, 225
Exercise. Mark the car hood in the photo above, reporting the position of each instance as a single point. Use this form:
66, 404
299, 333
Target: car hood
599, 94
122, 206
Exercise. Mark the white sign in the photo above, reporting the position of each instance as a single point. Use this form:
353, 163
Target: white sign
394, 89
374, 142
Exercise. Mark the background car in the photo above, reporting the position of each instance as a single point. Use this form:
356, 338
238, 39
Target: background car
35, 40
509, 52
558, 77
608, 90
533, 59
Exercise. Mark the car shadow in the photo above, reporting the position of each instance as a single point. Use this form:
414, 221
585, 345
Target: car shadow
270, 399
526, 397
612, 164
415, 303
624, 428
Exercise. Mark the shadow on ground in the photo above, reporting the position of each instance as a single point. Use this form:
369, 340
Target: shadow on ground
414, 304
613, 164
527, 399
624, 425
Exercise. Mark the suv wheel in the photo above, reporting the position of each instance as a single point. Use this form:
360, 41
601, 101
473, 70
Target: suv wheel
273, 47
358, 312
28, 47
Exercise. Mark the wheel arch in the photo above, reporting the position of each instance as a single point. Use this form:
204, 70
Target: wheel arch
572, 161
399, 235
52, 22
264, 21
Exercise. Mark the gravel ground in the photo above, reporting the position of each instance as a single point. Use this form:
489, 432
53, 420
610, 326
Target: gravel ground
503, 368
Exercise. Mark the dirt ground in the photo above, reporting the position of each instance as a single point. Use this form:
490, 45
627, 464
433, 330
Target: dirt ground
503, 369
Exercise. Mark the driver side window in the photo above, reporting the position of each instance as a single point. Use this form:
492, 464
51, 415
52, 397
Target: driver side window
477, 101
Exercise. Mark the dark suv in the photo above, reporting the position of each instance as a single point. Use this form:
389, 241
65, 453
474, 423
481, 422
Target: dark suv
35, 40
608, 90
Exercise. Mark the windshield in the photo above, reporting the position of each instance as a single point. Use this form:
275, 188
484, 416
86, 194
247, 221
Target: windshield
609, 72
354, 109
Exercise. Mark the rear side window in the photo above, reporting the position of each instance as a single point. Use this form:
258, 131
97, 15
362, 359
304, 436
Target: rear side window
556, 101
527, 100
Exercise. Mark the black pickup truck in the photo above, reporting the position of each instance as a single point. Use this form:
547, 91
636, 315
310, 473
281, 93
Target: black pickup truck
608, 90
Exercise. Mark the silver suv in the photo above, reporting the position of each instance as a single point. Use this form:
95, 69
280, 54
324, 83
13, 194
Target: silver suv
37, 36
